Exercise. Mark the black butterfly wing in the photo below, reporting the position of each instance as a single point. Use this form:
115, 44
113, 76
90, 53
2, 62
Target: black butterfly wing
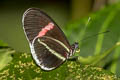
50, 51
34, 20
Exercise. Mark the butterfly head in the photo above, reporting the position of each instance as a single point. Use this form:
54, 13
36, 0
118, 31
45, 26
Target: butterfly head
75, 48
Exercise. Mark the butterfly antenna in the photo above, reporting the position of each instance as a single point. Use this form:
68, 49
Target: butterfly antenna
88, 21
95, 35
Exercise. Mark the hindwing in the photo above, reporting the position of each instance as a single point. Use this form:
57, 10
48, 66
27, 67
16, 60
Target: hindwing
48, 53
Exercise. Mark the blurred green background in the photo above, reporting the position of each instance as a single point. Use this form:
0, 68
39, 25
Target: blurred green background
71, 16
62, 11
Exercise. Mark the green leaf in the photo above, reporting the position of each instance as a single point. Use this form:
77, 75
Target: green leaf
5, 54
5, 57
24, 68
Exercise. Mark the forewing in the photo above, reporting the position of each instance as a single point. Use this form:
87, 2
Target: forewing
34, 20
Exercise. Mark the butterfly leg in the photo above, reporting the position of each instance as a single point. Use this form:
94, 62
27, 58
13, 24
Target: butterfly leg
73, 58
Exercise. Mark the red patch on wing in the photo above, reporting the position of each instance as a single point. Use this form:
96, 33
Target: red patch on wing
45, 29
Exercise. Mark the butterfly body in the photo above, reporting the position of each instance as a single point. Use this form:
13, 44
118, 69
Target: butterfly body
48, 44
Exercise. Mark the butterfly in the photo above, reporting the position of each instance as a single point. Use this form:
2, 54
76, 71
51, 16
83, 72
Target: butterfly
48, 44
